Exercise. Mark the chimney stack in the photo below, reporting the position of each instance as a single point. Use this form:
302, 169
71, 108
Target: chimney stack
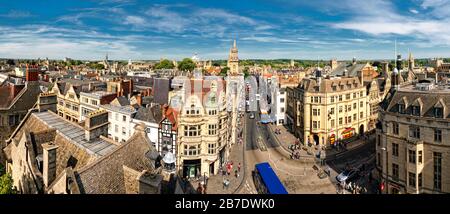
32, 74
49, 163
149, 183
96, 124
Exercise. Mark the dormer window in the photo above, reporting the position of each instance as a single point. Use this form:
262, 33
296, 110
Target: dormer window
438, 112
416, 110
401, 108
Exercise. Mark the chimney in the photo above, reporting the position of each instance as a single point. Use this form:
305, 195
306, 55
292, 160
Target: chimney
47, 101
149, 183
31, 74
96, 124
49, 163
139, 99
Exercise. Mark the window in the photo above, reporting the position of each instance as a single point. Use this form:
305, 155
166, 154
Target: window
361, 94
332, 99
349, 108
124, 131
281, 100
85, 100
332, 123
395, 149
420, 157
361, 115
124, 118
282, 110
316, 124
75, 108
395, 172
316, 99
437, 161
416, 110
192, 150
354, 95
420, 179
414, 132
349, 120
342, 87
312, 99
212, 129
354, 105
361, 104
412, 156
347, 96
340, 121
94, 102
116, 128
401, 108
437, 135
316, 112
332, 111
117, 116
340, 97
395, 128
71, 96
340, 109
412, 179
438, 112
211, 148
61, 103
212, 112
192, 131
334, 87
354, 117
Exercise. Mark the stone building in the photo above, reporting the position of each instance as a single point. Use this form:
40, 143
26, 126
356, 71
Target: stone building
47, 154
322, 110
203, 126
412, 143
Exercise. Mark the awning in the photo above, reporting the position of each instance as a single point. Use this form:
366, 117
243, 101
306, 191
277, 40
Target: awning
265, 118
169, 158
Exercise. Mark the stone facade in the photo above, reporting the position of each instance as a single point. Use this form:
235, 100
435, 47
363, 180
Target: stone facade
412, 139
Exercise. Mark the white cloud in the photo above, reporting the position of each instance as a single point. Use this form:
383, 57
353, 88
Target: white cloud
134, 20
413, 11
16, 14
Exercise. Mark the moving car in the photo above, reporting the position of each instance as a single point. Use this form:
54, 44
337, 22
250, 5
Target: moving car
347, 175
252, 115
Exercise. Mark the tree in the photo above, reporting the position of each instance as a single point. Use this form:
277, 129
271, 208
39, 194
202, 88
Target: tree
6, 182
186, 65
164, 64
224, 71
246, 73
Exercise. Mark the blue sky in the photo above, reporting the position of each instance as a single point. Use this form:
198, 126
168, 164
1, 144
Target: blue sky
137, 29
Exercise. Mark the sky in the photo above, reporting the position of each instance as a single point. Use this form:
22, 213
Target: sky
264, 29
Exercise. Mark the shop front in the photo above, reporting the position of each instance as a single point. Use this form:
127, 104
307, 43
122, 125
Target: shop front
192, 168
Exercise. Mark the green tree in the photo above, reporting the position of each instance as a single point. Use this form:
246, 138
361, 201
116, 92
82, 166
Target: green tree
246, 73
224, 71
164, 64
186, 65
6, 182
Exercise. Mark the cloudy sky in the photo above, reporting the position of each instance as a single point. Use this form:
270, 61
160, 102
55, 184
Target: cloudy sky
267, 29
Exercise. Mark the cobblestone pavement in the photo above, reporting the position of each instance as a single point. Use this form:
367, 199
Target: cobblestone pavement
215, 184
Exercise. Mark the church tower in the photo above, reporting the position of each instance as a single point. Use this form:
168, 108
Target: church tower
410, 62
233, 60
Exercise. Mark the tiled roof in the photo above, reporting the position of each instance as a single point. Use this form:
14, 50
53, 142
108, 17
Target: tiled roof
106, 175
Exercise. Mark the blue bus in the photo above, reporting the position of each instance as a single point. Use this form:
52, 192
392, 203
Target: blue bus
266, 181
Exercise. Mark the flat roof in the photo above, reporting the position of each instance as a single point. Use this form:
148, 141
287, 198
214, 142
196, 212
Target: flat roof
75, 134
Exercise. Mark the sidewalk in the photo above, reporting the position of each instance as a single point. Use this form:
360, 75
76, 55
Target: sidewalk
215, 184
286, 139
333, 152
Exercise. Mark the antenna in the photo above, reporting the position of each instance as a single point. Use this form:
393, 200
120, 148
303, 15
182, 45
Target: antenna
395, 49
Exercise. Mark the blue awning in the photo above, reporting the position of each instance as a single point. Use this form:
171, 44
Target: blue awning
265, 118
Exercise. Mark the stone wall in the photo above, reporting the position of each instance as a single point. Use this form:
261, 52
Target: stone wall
130, 178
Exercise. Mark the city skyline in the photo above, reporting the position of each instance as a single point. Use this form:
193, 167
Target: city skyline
138, 30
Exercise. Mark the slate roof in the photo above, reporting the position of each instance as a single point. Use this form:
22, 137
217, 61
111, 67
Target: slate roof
75, 133
149, 114
352, 70
410, 96
106, 176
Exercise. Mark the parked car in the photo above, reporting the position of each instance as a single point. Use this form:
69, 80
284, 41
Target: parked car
347, 175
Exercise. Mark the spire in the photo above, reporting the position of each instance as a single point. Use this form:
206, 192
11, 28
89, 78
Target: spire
395, 53
234, 44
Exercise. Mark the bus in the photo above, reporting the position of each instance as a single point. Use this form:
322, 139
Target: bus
266, 181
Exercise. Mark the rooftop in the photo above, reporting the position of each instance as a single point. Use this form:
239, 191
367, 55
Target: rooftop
75, 134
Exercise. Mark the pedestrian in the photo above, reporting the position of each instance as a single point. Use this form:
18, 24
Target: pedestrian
236, 173
239, 167
199, 188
